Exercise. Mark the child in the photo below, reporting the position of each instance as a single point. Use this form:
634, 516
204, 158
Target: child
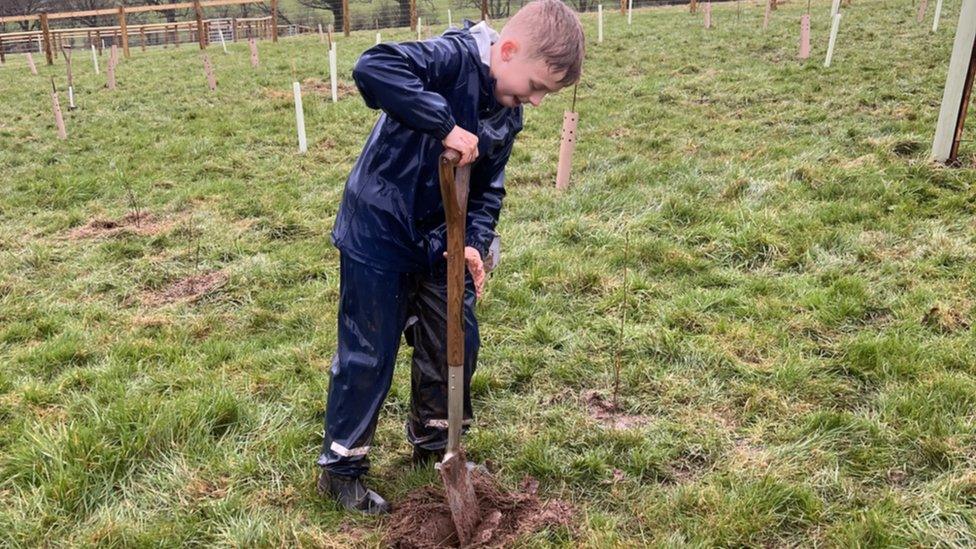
463, 90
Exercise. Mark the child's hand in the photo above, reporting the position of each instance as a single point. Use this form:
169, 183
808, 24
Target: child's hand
472, 258
477, 268
463, 142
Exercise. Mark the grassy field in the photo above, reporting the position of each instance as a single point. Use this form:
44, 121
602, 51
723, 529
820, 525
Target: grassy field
799, 296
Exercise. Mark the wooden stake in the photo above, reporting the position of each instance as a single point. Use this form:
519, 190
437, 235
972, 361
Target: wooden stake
833, 40
769, 9
208, 70
345, 17
3, 56
300, 118
30, 63
111, 74
413, 15
254, 52
66, 52
321, 34
921, 11
58, 117
708, 14
623, 321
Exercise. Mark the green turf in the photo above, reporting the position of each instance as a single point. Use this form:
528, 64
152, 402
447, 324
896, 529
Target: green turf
799, 296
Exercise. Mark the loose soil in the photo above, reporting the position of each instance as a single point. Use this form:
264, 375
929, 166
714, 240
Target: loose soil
423, 519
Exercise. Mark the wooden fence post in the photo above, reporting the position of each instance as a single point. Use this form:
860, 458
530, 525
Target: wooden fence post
3, 56
47, 39
201, 37
345, 17
413, 15
142, 36
274, 20
124, 30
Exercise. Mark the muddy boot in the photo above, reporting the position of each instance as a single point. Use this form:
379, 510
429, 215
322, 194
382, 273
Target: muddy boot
424, 458
352, 494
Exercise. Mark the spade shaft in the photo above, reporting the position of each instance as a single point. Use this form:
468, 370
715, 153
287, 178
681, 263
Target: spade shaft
458, 487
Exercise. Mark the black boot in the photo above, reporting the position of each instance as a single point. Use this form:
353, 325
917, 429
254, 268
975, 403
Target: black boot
352, 494
423, 457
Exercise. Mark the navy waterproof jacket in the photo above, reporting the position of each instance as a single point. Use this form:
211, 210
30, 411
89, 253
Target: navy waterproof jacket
392, 216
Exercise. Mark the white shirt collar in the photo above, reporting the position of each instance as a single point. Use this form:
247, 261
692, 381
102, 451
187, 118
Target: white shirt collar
485, 36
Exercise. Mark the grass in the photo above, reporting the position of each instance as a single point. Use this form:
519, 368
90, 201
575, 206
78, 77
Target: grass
799, 319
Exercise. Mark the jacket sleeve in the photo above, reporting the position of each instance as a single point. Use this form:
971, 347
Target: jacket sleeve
485, 200
397, 78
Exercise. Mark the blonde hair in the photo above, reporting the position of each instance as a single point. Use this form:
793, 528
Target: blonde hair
556, 36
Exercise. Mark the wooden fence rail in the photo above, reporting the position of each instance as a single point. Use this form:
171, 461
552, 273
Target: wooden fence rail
147, 34
49, 41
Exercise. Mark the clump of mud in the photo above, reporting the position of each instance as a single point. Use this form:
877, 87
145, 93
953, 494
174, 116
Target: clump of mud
188, 289
314, 86
423, 520
323, 88
945, 319
139, 222
610, 415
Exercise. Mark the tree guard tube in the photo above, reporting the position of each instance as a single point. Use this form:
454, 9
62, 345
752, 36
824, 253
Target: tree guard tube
567, 146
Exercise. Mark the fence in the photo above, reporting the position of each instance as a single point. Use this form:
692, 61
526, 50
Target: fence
342, 15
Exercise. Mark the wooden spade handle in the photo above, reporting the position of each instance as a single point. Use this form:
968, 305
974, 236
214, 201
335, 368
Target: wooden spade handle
454, 192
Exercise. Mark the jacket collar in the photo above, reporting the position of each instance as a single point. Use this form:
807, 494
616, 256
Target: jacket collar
487, 104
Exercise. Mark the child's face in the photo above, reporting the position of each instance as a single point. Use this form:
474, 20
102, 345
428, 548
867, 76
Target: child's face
519, 78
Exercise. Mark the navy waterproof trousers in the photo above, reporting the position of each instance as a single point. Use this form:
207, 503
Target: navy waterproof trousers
375, 307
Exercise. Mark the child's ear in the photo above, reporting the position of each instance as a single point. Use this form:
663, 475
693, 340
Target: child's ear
509, 48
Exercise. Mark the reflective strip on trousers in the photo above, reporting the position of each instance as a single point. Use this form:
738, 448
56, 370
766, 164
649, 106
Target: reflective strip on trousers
348, 452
